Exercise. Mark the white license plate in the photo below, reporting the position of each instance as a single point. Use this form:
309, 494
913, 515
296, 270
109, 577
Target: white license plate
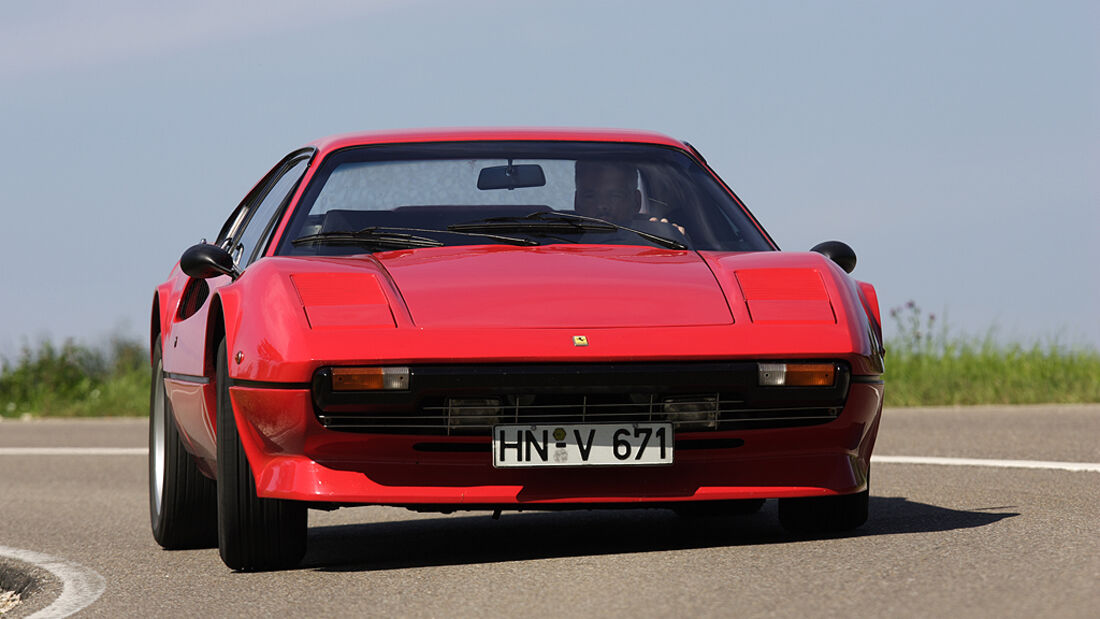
582, 444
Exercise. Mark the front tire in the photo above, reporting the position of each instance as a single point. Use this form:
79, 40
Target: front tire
253, 533
182, 501
826, 514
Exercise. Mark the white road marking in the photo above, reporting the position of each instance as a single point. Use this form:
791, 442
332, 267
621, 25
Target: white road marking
73, 451
1004, 464
80, 586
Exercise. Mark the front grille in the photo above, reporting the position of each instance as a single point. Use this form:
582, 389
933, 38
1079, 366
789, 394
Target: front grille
711, 413
469, 400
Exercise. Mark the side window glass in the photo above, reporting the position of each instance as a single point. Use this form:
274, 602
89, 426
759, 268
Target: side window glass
262, 214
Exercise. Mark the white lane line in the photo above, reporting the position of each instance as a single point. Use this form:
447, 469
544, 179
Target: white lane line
80, 586
1004, 464
73, 451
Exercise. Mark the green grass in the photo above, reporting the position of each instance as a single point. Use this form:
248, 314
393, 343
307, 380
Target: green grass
74, 380
926, 365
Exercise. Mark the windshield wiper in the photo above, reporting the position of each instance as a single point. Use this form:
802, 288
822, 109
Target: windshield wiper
511, 240
543, 221
398, 237
367, 236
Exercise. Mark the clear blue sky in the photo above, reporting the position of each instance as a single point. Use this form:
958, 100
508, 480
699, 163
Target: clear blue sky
954, 145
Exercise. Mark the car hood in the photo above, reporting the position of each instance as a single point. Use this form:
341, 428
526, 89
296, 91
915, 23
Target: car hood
556, 286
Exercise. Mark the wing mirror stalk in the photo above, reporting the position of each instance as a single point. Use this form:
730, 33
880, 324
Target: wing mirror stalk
839, 253
204, 261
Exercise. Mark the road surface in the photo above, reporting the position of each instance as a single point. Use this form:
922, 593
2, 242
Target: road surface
984, 541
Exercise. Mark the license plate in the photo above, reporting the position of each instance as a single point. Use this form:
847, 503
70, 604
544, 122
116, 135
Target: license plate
582, 444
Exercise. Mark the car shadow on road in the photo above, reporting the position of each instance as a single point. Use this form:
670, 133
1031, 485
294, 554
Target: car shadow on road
473, 539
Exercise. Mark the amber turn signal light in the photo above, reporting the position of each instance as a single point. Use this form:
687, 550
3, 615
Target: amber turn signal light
796, 374
369, 379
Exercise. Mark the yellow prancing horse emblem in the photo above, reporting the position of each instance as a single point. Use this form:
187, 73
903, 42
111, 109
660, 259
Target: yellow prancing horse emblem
580, 340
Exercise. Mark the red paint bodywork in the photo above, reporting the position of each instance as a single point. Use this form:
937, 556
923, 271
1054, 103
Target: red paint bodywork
288, 316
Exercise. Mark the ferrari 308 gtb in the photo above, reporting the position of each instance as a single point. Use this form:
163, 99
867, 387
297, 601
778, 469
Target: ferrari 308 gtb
496, 320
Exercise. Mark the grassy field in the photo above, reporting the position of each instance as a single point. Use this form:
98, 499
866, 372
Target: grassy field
926, 365
73, 380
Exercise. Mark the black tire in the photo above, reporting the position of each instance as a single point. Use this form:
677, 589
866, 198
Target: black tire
182, 501
253, 533
735, 507
827, 514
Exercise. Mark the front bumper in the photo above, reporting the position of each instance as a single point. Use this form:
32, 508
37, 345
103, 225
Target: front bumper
294, 456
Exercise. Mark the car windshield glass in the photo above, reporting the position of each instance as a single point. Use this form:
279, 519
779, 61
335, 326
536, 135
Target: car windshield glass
466, 193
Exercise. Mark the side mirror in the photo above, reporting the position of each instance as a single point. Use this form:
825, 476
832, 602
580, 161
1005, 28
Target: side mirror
204, 261
839, 253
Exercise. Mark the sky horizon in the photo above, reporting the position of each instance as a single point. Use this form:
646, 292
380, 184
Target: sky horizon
954, 146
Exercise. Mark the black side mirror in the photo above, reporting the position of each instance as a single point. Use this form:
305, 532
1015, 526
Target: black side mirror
204, 261
839, 253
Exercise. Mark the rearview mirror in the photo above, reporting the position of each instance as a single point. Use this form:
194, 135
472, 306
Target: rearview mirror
204, 261
839, 253
511, 176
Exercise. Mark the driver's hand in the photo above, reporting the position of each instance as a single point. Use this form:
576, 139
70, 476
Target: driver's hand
664, 220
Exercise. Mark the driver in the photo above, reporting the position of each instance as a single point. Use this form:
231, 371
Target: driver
609, 190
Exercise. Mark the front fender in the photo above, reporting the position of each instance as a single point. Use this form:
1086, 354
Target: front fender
869, 297
265, 325
166, 298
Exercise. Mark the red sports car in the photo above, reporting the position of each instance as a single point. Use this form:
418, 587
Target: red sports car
503, 319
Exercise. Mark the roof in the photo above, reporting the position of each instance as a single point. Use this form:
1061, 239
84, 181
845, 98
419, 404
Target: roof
494, 133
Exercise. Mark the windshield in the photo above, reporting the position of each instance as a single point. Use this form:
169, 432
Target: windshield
378, 198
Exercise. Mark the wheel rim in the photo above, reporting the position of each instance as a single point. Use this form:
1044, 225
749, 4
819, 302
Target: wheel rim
158, 444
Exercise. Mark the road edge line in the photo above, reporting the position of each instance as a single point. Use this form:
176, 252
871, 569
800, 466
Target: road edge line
1092, 467
74, 451
80, 586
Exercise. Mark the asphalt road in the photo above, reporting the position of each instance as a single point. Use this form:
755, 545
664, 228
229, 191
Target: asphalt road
959, 540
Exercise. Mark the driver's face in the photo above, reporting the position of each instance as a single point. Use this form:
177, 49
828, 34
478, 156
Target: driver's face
606, 192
